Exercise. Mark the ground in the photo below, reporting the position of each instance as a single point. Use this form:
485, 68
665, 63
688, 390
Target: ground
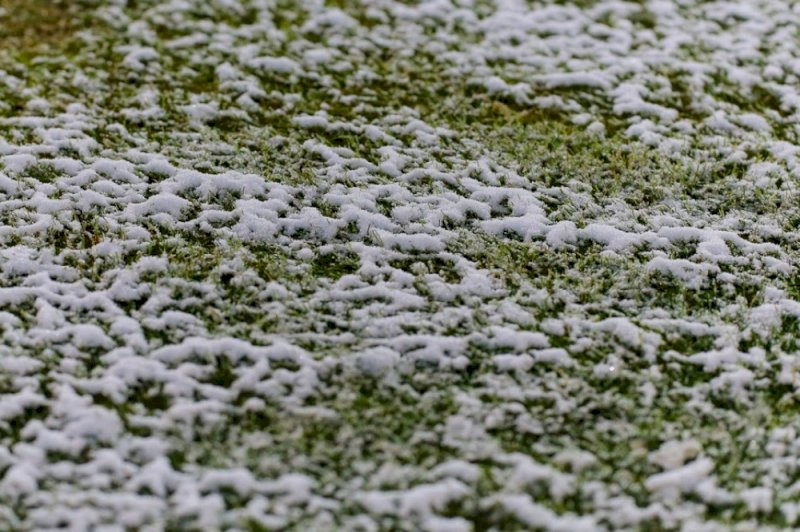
399, 265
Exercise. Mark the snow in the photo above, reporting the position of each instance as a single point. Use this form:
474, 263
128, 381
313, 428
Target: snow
404, 264
684, 478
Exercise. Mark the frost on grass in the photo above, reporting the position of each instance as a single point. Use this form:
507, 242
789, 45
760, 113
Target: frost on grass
378, 265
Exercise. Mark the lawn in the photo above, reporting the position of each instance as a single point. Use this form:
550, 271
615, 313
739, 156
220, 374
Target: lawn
368, 265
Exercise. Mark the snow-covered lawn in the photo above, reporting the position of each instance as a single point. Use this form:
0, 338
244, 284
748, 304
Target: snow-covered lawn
367, 265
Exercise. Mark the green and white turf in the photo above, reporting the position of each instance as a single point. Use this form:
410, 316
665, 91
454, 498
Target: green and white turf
368, 265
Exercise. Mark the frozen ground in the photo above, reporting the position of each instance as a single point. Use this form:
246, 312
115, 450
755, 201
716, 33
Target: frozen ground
433, 265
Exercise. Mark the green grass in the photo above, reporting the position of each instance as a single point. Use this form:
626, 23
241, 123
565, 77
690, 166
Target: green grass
348, 424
